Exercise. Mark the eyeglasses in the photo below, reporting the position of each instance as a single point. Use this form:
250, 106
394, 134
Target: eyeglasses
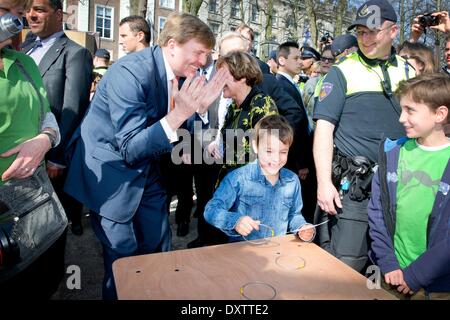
325, 59
371, 32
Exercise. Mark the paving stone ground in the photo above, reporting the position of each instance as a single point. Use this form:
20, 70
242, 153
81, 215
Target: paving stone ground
85, 252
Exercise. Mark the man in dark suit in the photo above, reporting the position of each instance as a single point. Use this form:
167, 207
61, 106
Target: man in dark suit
289, 65
249, 34
130, 123
66, 69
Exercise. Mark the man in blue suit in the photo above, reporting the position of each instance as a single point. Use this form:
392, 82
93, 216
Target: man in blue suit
130, 123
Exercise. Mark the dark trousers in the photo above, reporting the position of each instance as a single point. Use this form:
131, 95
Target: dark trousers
205, 177
346, 234
309, 195
72, 207
148, 231
41, 279
178, 180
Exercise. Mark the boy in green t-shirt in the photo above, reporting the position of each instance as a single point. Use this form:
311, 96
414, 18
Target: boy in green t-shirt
409, 213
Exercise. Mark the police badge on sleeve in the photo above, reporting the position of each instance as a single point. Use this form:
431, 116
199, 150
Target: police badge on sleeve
325, 91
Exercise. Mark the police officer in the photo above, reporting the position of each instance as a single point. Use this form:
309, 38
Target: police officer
355, 110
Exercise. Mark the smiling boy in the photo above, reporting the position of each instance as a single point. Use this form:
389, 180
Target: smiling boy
409, 213
262, 192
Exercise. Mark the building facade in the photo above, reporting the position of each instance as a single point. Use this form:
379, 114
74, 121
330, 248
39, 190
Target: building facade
102, 17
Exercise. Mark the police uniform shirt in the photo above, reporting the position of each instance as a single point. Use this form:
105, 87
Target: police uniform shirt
352, 98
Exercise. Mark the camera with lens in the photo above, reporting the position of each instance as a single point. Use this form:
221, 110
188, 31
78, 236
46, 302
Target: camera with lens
10, 25
326, 38
427, 20
303, 78
9, 248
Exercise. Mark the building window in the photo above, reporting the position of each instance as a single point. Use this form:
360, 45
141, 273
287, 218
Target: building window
213, 6
289, 22
170, 4
161, 23
274, 19
256, 43
103, 18
215, 28
255, 14
234, 9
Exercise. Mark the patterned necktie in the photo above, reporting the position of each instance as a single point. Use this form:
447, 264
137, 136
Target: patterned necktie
172, 101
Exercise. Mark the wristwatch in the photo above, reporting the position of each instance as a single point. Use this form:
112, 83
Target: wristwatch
51, 137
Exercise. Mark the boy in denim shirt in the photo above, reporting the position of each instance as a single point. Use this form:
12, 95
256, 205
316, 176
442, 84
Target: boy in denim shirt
261, 192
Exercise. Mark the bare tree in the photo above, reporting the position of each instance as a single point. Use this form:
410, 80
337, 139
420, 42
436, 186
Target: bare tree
192, 6
266, 7
311, 13
401, 11
341, 9
138, 7
290, 20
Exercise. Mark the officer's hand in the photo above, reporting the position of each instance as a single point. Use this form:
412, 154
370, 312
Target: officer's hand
245, 225
327, 197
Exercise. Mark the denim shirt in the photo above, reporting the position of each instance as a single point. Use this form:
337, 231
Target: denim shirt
246, 192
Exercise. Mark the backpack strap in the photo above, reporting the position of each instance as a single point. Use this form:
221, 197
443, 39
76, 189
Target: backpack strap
33, 84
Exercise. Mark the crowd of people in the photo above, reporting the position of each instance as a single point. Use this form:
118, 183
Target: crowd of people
352, 136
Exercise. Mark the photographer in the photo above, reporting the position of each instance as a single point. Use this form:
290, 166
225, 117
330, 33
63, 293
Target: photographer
439, 21
28, 132
436, 21
326, 40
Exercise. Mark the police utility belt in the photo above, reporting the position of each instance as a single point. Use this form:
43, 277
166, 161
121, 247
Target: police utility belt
352, 175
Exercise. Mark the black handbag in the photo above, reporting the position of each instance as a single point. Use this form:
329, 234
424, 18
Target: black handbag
31, 220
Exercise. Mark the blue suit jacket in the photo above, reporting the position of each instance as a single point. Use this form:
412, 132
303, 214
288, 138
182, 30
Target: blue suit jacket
117, 147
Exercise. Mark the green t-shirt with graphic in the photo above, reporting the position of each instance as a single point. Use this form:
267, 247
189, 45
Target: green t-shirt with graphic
419, 173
